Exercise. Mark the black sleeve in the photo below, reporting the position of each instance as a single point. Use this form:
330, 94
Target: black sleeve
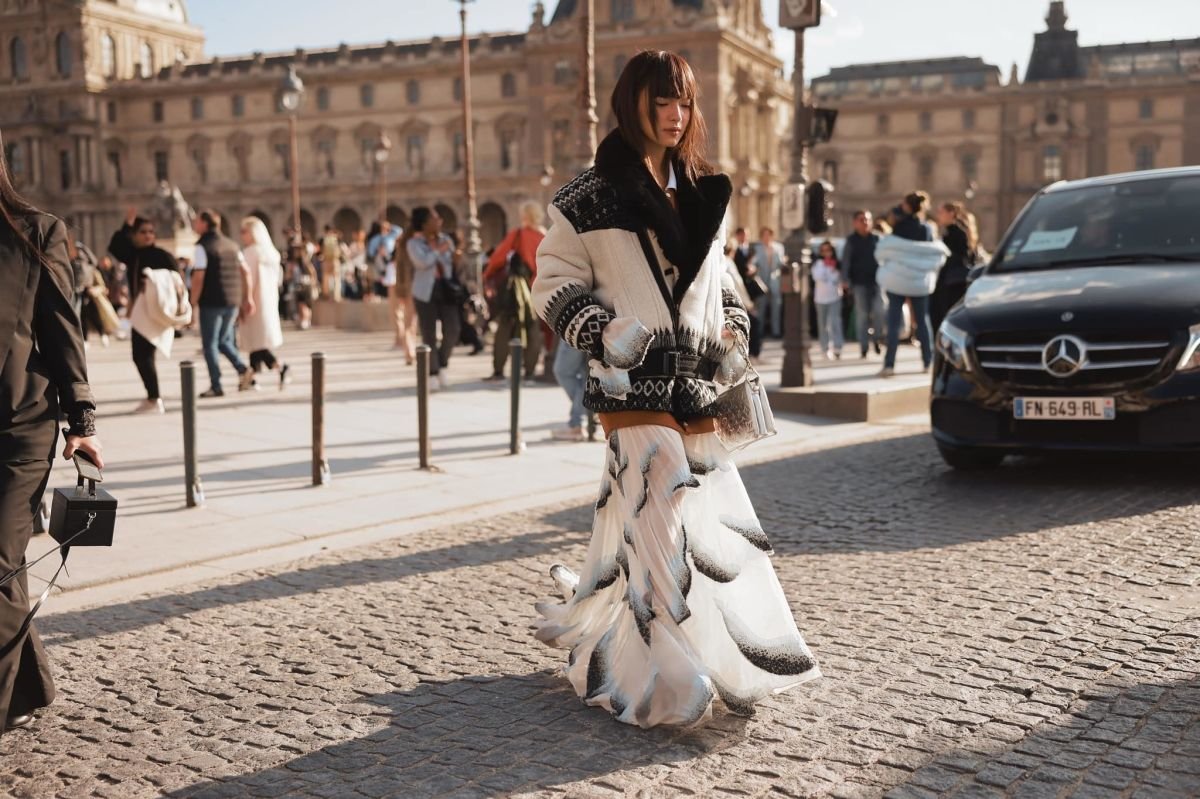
58, 335
121, 245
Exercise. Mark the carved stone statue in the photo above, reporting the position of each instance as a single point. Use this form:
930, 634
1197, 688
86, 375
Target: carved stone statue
170, 210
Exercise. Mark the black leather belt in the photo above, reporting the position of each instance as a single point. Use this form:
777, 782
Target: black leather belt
667, 363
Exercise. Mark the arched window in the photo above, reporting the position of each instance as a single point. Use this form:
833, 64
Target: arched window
145, 60
20, 59
108, 56
62, 54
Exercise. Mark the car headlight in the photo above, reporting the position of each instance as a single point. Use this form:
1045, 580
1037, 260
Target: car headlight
952, 344
1190, 361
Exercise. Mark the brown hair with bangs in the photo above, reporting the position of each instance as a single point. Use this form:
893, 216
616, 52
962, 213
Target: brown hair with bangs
660, 73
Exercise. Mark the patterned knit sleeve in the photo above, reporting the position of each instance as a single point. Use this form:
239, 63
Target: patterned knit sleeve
736, 317
562, 293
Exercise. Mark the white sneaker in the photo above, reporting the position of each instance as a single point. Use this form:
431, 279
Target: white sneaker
887, 371
565, 579
442, 381
150, 406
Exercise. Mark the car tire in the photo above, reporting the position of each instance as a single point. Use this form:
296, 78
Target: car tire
970, 459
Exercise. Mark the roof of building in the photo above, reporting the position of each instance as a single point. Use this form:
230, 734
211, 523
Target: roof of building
370, 52
566, 8
904, 69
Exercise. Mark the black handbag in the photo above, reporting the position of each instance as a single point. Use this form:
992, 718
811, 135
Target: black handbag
448, 291
755, 287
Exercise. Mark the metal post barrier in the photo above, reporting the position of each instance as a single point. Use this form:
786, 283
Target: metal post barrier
191, 477
591, 426
320, 465
423, 447
515, 445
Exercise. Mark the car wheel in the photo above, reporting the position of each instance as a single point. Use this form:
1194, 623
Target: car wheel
970, 459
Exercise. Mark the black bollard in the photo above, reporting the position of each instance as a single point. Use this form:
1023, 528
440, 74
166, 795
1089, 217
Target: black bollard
191, 476
515, 445
591, 426
423, 446
320, 466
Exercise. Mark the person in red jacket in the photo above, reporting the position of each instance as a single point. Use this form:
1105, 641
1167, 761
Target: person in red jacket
511, 270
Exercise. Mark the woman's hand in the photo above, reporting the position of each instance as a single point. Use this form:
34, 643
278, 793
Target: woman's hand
88, 445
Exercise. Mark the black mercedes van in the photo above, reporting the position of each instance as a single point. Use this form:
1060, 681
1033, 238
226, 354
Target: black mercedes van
1083, 331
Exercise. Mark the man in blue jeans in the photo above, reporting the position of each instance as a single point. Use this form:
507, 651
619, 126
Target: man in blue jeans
859, 266
570, 369
221, 280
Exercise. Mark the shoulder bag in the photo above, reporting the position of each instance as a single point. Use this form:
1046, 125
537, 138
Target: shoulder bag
742, 413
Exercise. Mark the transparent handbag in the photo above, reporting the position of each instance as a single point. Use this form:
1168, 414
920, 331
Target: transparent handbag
743, 414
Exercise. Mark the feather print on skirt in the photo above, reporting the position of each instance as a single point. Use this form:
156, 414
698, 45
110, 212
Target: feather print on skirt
677, 603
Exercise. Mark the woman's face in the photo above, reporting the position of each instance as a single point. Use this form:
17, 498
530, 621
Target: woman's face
247, 236
945, 217
665, 123
827, 252
433, 225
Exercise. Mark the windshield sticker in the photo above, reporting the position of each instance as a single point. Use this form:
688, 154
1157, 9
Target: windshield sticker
1014, 250
1043, 240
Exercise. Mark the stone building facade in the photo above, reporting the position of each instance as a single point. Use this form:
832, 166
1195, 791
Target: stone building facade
953, 128
102, 99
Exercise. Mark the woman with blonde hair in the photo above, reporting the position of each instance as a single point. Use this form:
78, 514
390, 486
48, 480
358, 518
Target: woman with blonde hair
510, 271
261, 331
677, 604
961, 237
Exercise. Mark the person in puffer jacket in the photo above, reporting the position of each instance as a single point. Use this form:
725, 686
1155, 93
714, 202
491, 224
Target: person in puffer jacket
909, 261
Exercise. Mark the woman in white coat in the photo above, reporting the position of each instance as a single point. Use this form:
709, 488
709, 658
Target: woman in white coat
677, 604
260, 331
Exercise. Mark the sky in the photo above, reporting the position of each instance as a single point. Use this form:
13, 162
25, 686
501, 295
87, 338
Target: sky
1001, 31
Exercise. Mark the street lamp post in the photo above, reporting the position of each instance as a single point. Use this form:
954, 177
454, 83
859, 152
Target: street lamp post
587, 90
472, 246
797, 363
383, 148
291, 94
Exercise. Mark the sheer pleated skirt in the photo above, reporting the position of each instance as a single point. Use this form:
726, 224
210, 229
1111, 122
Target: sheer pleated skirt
677, 603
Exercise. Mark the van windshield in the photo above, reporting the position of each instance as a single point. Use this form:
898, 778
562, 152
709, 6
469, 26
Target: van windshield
1139, 221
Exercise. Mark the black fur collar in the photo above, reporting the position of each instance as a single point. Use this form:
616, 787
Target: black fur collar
685, 236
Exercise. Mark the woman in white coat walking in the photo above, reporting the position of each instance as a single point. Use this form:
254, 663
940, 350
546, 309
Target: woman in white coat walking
261, 332
677, 604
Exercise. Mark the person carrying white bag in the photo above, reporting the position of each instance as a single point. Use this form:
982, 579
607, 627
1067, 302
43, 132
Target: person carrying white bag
161, 307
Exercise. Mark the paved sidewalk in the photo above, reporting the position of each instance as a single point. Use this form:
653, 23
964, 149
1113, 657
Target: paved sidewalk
254, 455
1032, 632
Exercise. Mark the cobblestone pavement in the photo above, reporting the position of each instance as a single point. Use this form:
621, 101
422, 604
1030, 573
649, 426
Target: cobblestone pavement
1030, 632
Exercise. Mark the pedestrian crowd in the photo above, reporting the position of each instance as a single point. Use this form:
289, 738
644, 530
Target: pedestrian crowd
898, 260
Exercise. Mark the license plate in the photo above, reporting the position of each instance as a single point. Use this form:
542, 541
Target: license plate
1099, 409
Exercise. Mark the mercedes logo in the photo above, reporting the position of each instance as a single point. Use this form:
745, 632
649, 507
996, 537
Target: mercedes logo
1064, 356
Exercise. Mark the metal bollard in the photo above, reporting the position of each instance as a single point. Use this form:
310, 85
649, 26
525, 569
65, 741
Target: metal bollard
423, 446
320, 465
515, 445
591, 426
191, 477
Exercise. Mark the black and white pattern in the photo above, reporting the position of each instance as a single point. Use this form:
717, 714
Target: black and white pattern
679, 604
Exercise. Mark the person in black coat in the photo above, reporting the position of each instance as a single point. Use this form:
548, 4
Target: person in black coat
133, 245
963, 242
43, 372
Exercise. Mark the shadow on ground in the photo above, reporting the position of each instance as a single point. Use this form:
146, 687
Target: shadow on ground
873, 510
1140, 739
495, 734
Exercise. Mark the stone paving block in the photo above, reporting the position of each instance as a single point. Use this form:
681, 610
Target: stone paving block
967, 628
